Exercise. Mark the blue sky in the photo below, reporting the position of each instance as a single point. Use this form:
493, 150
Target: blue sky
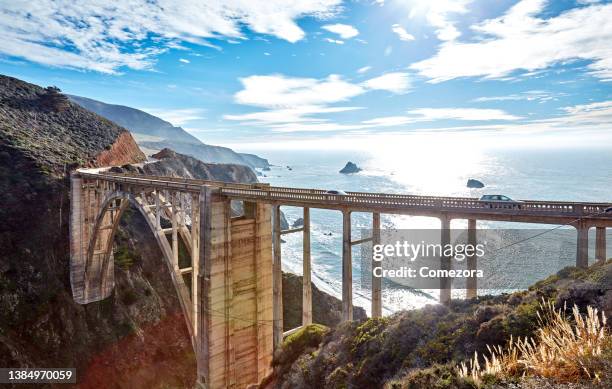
315, 73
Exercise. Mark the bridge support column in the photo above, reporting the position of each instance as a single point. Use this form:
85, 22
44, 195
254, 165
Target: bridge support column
306, 276
472, 262
347, 267
376, 281
600, 243
277, 277
445, 261
582, 245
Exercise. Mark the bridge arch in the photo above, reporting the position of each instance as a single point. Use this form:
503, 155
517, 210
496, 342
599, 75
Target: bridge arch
228, 302
99, 264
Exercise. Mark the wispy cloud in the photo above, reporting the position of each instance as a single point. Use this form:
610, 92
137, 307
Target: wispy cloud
336, 41
520, 40
183, 60
434, 114
299, 102
396, 82
345, 31
402, 33
364, 69
461, 114
532, 95
177, 117
107, 36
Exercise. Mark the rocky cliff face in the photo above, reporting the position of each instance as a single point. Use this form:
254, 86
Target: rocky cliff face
326, 309
178, 165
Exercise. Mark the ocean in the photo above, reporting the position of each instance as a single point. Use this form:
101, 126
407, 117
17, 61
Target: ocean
552, 174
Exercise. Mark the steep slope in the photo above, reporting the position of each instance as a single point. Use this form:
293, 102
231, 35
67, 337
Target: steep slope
139, 122
418, 349
156, 134
179, 165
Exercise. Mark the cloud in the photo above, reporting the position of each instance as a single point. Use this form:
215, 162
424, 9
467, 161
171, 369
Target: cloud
177, 117
345, 31
279, 91
533, 95
293, 103
438, 13
520, 40
183, 60
434, 114
364, 69
402, 33
599, 113
336, 41
397, 82
108, 36
389, 121
461, 114
289, 115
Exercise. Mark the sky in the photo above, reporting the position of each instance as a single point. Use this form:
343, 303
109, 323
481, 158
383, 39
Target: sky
329, 73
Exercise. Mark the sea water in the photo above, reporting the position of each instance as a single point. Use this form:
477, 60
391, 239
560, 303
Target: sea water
552, 174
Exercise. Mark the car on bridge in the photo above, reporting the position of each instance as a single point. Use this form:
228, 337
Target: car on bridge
336, 192
500, 201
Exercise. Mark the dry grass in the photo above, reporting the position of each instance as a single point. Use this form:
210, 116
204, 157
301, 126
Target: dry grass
564, 349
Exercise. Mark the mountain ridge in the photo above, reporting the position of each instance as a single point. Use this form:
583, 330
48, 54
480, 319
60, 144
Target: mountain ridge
144, 125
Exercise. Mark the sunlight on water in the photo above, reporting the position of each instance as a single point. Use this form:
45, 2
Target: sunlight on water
424, 166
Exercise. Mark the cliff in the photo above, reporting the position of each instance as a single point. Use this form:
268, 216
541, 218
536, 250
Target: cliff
54, 138
326, 309
174, 164
155, 134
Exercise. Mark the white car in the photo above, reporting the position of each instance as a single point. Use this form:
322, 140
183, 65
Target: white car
501, 201
336, 192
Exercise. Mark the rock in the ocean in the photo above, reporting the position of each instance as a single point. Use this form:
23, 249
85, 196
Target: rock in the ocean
350, 168
299, 222
472, 183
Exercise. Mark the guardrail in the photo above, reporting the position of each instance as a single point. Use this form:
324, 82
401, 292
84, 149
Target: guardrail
265, 192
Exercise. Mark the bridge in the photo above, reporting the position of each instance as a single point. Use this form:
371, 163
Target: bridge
231, 293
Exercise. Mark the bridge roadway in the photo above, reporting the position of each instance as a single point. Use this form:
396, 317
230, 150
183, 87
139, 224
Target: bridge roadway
231, 290
527, 211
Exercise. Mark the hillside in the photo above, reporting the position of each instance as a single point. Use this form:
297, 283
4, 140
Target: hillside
156, 134
421, 348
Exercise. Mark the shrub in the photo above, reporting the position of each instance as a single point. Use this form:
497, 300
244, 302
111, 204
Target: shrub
564, 349
123, 258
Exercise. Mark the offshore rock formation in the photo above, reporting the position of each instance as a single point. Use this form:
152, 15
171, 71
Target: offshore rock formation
350, 168
474, 184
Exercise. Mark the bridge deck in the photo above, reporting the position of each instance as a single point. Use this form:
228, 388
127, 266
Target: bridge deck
527, 211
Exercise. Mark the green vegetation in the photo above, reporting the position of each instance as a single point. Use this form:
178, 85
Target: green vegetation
295, 344
421, 348
124, 257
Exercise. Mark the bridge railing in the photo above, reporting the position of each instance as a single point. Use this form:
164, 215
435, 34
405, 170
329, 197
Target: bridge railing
361, 199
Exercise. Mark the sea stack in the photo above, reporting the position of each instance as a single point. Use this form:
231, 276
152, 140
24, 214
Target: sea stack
475, 184
350, 168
